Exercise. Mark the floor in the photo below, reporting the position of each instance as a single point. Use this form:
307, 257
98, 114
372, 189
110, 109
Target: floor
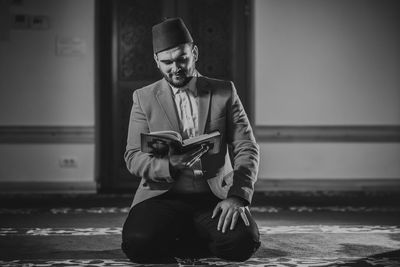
298, 229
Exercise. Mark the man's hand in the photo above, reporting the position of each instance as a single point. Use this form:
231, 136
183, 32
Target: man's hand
179, 161
231, 208
163, 180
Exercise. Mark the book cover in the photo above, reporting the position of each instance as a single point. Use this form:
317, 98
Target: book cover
159, 142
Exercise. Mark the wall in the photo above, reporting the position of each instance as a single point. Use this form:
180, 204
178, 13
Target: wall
327, 63
47, 82
317, 63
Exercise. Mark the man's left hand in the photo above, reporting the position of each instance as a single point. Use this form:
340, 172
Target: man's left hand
231, 208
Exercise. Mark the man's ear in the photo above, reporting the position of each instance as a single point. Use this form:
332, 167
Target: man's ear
156, 60
195, 52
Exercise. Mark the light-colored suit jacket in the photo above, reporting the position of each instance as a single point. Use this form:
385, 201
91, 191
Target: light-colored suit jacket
232, 172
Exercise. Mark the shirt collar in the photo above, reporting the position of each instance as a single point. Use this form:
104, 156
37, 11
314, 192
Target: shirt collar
191, 85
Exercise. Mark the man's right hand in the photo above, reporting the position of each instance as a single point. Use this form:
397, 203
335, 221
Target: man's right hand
178, 161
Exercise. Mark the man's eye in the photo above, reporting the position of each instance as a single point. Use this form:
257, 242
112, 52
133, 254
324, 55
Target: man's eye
182, 59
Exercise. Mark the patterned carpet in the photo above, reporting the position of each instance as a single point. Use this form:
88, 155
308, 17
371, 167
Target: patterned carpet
306, 235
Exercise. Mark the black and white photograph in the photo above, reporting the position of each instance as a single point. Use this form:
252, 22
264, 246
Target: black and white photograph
226, 133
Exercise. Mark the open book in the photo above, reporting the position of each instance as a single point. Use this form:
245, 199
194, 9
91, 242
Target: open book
159, 142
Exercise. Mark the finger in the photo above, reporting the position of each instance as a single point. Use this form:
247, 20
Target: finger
196, 151
172, 150
192, 153
215, 211
234, 219
244, 217
158, 179
192, 159
169, 179
227, 220
221, 220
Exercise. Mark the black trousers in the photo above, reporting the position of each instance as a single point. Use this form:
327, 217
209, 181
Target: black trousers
180, 225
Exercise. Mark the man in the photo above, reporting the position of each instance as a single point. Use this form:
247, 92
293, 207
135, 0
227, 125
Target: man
177, 212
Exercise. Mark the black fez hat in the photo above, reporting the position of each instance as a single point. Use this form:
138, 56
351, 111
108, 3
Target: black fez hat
170, 33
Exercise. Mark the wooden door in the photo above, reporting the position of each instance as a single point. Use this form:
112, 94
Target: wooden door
125, 63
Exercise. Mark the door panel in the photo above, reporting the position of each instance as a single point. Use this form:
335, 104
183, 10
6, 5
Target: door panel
130, 65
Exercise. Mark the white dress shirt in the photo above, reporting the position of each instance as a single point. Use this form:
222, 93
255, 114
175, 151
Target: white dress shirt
187, 106
186, 100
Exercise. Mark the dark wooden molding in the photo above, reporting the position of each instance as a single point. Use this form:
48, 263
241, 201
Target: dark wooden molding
262, 185
47, 134
372, 133
48, 187
328, 184
250, 62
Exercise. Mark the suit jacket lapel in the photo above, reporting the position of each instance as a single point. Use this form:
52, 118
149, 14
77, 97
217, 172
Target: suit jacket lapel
166, 101
204, 94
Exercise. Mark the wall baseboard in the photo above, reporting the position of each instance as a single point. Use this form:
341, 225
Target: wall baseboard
48, 187
334, 133
262, 185
86, 134
47, 134
303, 185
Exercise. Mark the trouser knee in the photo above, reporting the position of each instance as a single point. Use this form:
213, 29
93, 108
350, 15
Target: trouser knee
136, 250
239, 248
142, 249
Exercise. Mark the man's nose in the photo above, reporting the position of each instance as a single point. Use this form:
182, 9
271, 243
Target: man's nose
175, 67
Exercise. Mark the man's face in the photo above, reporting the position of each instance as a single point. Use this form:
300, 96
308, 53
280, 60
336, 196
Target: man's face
177, 64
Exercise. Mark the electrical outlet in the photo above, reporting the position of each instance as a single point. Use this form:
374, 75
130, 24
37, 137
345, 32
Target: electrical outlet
21, 21
40, 22
68, 162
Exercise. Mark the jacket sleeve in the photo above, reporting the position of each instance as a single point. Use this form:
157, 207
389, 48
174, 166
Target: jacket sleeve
244, 150
142, 164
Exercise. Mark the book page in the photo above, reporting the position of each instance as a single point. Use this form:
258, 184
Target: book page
168, 134
212, 140
199, 138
